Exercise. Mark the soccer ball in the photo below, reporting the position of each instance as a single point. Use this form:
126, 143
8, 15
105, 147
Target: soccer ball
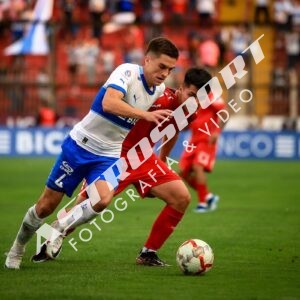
194, 257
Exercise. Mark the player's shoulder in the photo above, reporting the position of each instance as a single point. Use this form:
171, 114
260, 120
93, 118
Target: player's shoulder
219, 103
170, 93
128, 69
167, 100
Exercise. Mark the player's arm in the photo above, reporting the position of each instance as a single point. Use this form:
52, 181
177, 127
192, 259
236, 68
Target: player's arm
222, 106
214, 137
166, 149
113, 103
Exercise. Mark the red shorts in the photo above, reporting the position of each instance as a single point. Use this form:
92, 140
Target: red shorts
204, 155
151, 173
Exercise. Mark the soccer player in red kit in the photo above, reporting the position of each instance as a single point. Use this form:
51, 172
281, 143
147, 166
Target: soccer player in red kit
200, 158
153, 178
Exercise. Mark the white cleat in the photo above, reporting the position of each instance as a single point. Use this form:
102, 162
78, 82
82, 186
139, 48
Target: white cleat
14, 257
53, 248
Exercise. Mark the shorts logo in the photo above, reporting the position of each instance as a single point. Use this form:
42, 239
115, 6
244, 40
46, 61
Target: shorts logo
66, 168
127, 73
203, 157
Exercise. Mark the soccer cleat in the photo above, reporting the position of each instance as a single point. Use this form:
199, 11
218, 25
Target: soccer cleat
14, 257
212, 202
150, 258
53, 248
210, 205
201, 208
41, 256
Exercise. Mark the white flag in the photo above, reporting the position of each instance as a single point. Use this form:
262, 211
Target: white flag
35, 39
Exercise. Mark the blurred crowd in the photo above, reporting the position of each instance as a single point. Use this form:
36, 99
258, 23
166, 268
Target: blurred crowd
91, 37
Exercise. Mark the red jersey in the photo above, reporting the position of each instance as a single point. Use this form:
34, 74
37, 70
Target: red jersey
206, 120
142, 128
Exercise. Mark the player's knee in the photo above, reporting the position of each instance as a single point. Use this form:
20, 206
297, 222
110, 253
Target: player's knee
44, 209
47, 203
186, 199
182, 200
197, 168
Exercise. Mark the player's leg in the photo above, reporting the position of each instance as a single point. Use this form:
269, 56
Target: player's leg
48, 201
56, 247
63, 178
177, 198
200, 185
32, 220
98, 199
100, 194
101, 190
53, 248
204, 162
185, 168
81, 213
174, 193
193, 173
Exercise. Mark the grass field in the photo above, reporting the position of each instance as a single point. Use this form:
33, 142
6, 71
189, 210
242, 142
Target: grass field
254, 234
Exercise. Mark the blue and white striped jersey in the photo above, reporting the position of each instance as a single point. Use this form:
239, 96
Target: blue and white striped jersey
102, 133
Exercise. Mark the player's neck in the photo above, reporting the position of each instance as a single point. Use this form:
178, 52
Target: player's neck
150, 84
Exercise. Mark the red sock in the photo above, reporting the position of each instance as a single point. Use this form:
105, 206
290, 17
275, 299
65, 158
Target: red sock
163, 226
202, 192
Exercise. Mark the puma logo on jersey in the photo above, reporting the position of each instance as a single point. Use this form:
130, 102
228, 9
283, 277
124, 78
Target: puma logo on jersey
135, 98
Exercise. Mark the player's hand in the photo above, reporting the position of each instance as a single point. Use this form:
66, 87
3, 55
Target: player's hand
157, 116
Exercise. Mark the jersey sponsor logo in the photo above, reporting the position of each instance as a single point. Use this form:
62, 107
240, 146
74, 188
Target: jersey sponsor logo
156, 106
66, 168
131, 121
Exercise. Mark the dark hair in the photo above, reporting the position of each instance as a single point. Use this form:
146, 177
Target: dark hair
197, 77
162, 45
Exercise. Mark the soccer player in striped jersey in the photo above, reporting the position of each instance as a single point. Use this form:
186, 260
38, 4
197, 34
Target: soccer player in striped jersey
94, 144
